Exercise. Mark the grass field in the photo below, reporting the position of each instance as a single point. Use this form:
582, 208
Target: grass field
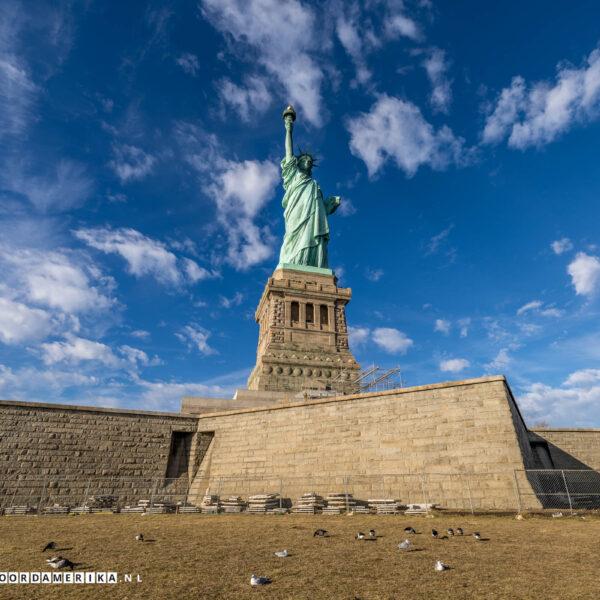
213, 556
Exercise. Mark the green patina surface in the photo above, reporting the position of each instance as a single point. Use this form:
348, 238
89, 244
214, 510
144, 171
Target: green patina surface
305, 209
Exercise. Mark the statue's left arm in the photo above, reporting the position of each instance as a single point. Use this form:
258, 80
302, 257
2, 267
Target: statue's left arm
331, 204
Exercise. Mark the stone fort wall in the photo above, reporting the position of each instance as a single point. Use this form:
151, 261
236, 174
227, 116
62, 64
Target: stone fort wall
572, 448
66, 446
471, 426
471, 429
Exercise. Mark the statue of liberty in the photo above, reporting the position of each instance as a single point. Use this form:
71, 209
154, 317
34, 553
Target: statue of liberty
305, 210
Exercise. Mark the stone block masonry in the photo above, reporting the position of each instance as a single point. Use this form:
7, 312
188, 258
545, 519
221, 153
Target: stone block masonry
74, 444
572, 448
471, 426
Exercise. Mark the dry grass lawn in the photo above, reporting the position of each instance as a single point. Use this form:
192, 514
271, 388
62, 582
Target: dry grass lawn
213, 556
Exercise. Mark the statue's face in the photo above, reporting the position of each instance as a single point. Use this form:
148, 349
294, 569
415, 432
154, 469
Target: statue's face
305, 163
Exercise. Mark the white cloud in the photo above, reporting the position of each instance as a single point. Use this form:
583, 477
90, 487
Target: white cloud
396, 129
436, 241
454, 365
398, 23
373, 274
66, 186
500, 363
138, 357
552, 312
144, 255
283, 34
249, 100
76, 349
464, 326
57, 280
131, 163
194, 271
196, 336
443, 326
188, 62
346, 208
358, 335
441, 92
141, 334
585, 273
574, 404
534, 305
19, 323
560, 246
537, 114
18, 92
240, 191
585, 378
235, 300
392, 340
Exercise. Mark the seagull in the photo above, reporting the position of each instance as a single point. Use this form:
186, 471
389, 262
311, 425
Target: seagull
440, 566
359, 536
60, 563
53, 559
477, 535
49, 546
404, 545
434, 534
409, 530
321, 532
256, 580
450, 531
372, 532
282, 554
459, 530
139, 537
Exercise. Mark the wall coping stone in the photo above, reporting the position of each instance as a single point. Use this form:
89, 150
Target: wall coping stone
406, 390
557, 429
94, 409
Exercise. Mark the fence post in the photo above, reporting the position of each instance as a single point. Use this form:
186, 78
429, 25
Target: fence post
517, 491
280, 492
424, 491
41, 496
219, 493
346, 486
567, 490
152, 495
469, 490
383, 486
87, 491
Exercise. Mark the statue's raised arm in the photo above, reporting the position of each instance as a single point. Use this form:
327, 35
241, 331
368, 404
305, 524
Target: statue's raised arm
289, 116
305, 209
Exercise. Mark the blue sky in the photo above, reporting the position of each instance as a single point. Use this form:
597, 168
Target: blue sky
140, 191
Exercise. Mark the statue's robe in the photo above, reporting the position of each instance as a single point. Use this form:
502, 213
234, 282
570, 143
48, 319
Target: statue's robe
305, 213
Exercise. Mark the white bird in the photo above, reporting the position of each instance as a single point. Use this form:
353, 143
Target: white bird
256, 580
477, 535
59, 562
404, 545
359, 536
440, 566
139, 537
282, 554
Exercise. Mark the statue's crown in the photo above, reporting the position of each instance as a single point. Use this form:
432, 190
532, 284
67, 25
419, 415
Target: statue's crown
313, 156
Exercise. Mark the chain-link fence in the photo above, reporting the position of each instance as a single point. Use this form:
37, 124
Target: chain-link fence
514, 490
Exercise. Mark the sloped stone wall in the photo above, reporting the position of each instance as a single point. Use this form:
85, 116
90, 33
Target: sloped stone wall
572, 448
470, 427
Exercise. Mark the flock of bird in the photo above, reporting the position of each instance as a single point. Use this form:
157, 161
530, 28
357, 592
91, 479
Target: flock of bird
405, 545
59, 562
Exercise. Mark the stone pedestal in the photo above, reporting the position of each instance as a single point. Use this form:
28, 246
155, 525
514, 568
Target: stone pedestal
303, 339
